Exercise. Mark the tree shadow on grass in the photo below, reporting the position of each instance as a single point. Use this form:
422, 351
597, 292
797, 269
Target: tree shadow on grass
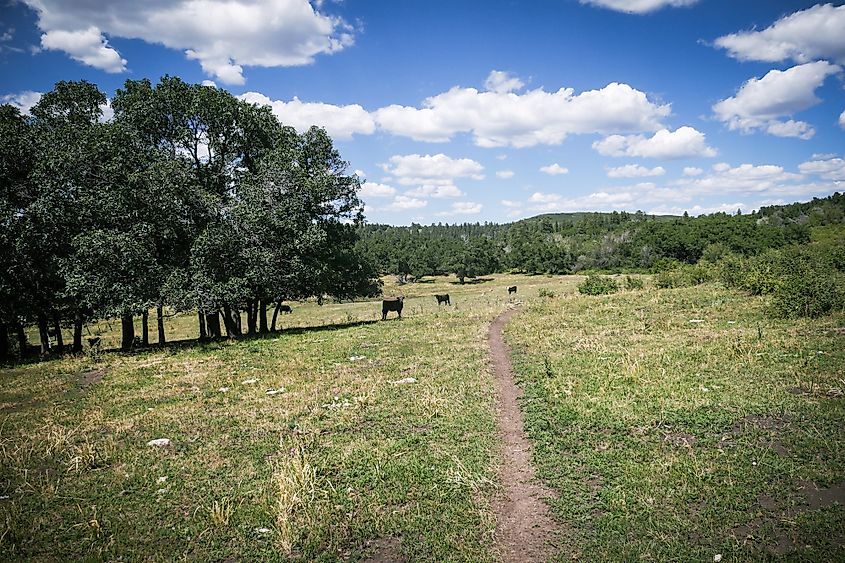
473, 281
189, 343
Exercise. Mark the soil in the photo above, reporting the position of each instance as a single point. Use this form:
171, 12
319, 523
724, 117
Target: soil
525, 530
94, 376
386, 550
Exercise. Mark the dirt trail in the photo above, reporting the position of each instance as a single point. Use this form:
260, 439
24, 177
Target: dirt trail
525, 529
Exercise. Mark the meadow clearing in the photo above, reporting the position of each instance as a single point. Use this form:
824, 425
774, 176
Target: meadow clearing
671, 424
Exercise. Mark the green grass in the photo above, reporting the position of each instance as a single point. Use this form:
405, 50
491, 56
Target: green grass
343, 457
667, 439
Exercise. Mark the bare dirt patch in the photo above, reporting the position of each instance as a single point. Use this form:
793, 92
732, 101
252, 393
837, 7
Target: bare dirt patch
93, 376
525, 529
386, 550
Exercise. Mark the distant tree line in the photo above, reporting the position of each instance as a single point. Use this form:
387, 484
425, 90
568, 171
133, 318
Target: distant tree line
188, 199
571, 243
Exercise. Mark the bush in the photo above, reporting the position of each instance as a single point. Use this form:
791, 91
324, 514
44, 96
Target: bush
684, 275
633, 283
546, 292
598, 285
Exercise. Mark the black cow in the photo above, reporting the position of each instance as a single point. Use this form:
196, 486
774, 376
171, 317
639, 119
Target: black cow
442, 298
512, 289
392, 304
285, 309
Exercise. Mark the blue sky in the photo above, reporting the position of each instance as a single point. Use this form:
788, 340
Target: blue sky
493, 110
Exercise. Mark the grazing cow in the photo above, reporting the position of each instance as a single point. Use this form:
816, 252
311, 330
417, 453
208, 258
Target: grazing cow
285, 309
392, 304
512, 289
443, 299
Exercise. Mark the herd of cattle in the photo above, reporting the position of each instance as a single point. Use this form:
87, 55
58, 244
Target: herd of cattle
396, 303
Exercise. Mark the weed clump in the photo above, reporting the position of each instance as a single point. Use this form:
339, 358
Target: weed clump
598, 285
632, 284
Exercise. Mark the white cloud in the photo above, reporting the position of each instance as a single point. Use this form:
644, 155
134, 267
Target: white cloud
760, 102
341, 122
692, 171
729, 208
554, 169
404, 203
498, 119
501, 157
635, 170
684, 142
437, 169
22, 100
210, 83
374, 189
223, 35
87, 46
832, 168
447, 190
462, 208
505, 174
638, 6
842, 120
510, 203
812, 34
502, 82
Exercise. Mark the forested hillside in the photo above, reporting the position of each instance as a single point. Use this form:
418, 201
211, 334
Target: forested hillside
569, 243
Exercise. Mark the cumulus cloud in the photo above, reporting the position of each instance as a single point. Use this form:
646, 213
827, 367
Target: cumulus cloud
684, 142
446, 190
341, 122
22, 100
87, 46
830, 168
502, 82
554, 169
807, 35
405, 203
499, 119
692, 171
374, 189
437, 169
638, 6
760, 102
635, 170
505, 174
462, 208
223, 35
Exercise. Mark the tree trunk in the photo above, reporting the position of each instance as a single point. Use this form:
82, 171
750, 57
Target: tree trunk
77, 332
250, 316
232, 320
201, 320
276, 314
238, 320
127, 332
145, 328
43, 333
4, 341
262, 316
60, 341
162, 339
22, 345
212, 322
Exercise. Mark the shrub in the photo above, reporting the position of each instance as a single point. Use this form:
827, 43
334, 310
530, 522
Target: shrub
684, 275
598, 285
546, 292
633, 283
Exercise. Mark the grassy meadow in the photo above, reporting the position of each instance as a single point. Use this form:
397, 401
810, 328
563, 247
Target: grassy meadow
672, 424
340, 462
678, 425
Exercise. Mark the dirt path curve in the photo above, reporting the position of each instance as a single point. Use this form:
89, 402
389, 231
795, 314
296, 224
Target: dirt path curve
525, 529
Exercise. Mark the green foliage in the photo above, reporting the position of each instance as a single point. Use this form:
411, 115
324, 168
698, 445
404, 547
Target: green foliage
632, 283
598, 285
684, 275
545, 292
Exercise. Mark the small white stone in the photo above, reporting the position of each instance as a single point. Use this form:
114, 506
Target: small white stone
730, 323
275, 391
405, 380
356, 358
160, 442
161, 491
263, 530
249, 381
717, 558
223, 389
696, 321
162, 479
4, 497
753, 463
